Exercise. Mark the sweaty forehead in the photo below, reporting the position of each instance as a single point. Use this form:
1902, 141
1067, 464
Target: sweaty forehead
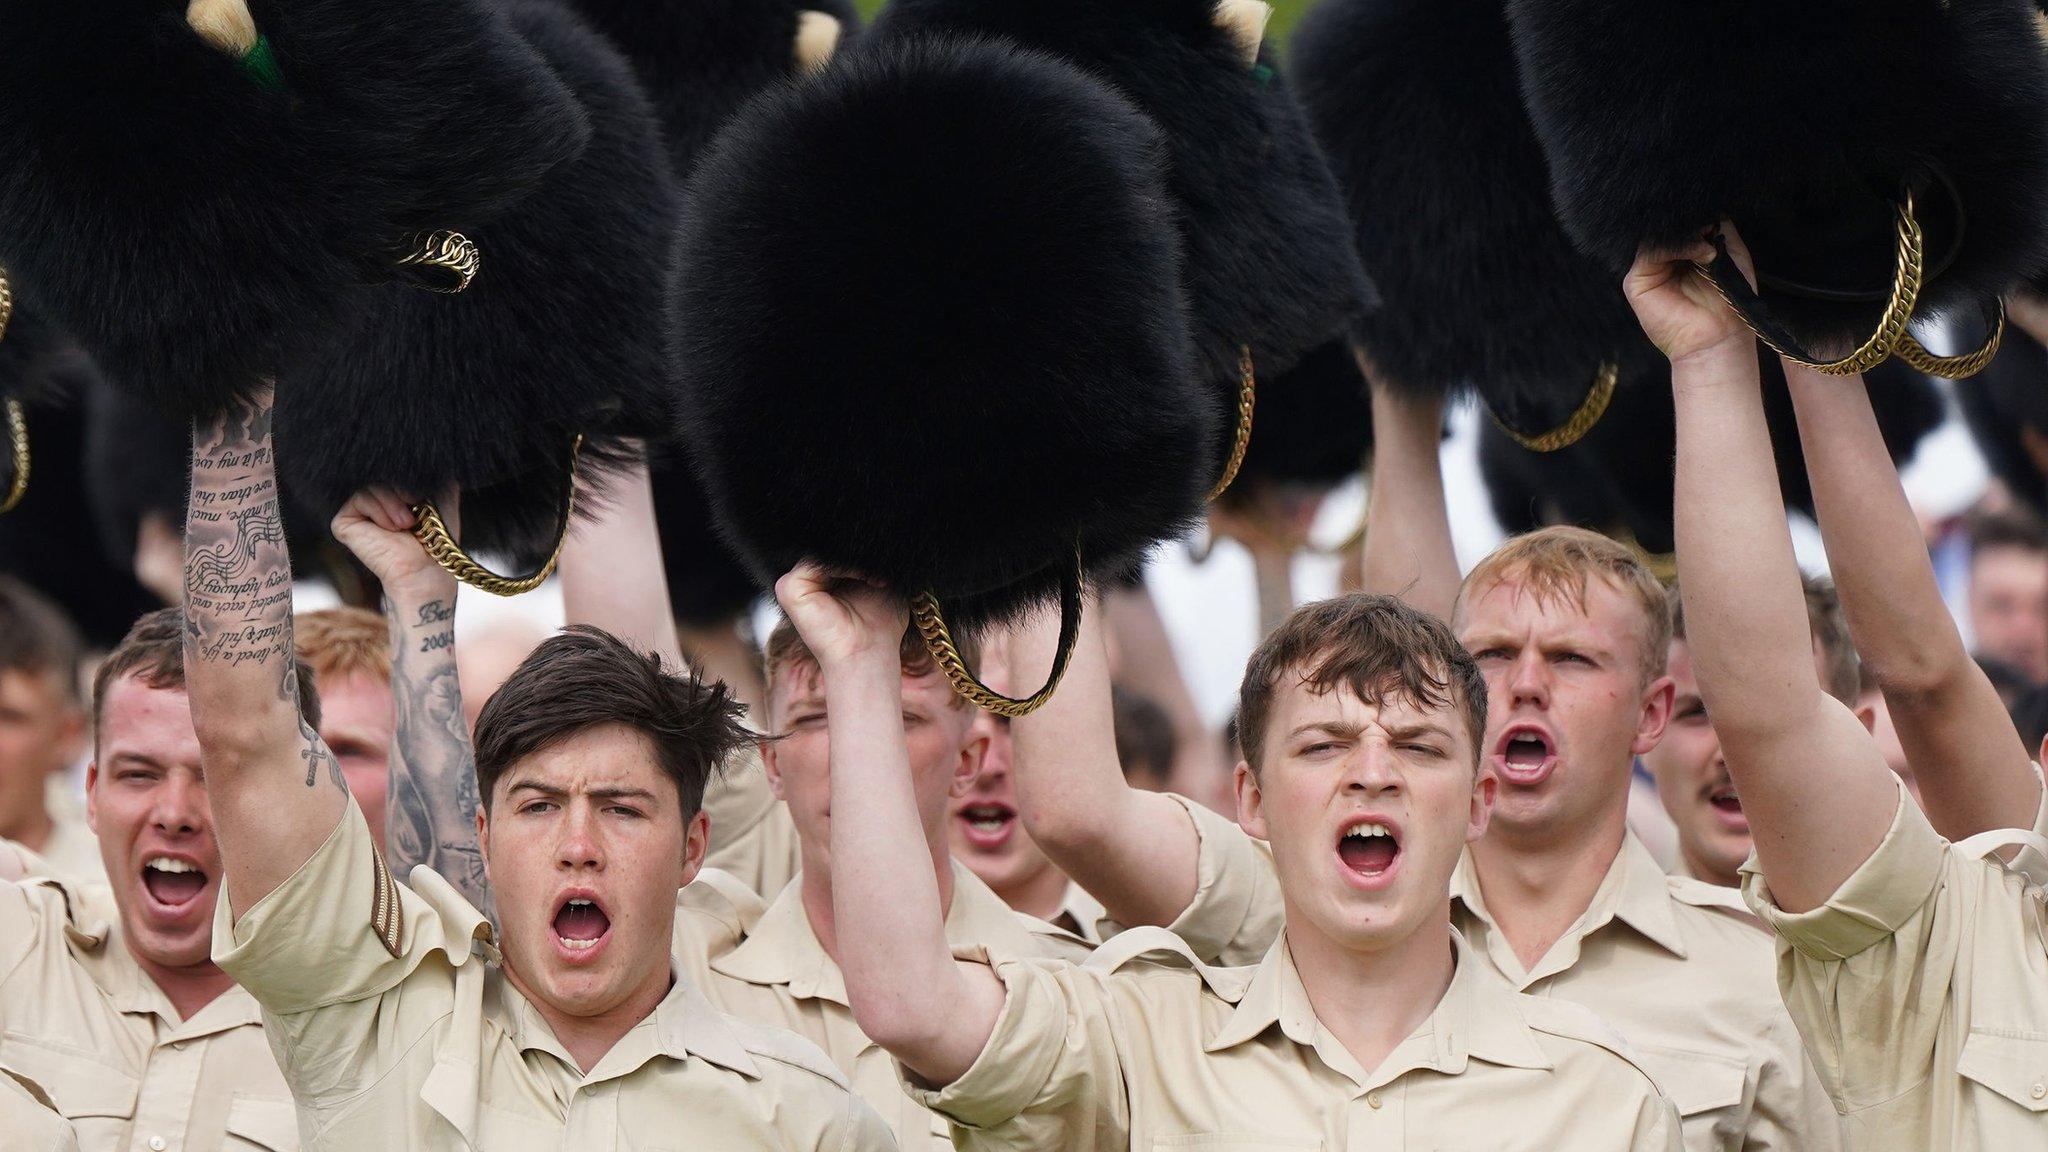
1297, 703
607, 758
154, 722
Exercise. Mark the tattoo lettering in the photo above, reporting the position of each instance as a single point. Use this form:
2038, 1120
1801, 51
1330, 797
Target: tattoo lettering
433, 799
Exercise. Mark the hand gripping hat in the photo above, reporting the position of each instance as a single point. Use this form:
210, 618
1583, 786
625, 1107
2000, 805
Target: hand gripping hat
1882, 159
930, 329
198, 193
1417, 106
700, 61
1263, 232
523, 389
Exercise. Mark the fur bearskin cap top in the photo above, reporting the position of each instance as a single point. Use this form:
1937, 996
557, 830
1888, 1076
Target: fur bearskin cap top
1417, 105
561, 333
930, 327
1803, 123
200, 223
1263, 226
2002, 405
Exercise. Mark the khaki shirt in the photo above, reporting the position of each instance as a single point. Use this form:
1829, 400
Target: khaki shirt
73, 853
1922, 989
1679, 968
752, 836
29, 1120
763, 963
81, 1020
399, 1030
1119, 1054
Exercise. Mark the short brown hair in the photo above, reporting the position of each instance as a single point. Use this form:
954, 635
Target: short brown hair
1379, 648
153, 652
1554, 564
2016, 528
1145, 741
786, 649
340, 642
585, 678
1829, 629
36, 636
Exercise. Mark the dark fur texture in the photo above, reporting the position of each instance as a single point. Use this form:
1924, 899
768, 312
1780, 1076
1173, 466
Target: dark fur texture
138, 462
1263, 225
700, 60
950, 379
1621, 475
1417, 105
1798, 121
198, 233
561, 332
38, 364
1312, 424
707, 583
2006, 398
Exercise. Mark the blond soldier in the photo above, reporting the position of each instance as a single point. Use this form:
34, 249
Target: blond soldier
1916, 968
349, 651
404, 1020
1367, 1026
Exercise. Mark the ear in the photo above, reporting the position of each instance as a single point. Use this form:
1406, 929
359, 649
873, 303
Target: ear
696, 842
483, 839
1867, 713
1245, 20
1251, 802
772, 769
1485, 786
225, 24
968, 769
92, 797
817, 38
1656, 715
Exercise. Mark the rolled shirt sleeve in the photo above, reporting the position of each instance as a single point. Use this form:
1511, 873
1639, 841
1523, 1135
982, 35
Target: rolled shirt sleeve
1236, 913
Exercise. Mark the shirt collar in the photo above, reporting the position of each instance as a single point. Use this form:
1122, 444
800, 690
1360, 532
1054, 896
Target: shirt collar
1634, 891
783, 950
97, 945
683, 1025
1477, 1019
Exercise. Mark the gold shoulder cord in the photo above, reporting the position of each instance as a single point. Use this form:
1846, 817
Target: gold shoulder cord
432, 533
1575, 427
938, 640
1247, 403
17, 417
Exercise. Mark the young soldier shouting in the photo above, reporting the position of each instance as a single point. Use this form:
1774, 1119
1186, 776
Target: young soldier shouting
1367, 1026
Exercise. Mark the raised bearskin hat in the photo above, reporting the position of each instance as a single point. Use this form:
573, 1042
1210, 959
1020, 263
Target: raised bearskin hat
1313, 425
199, 204
1263, 227
1811, 126
2007, 406
1417, 105
930, 328
558, 339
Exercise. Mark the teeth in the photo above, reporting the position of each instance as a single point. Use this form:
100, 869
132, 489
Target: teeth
1367, 831
576, 945
579, 904
166, 864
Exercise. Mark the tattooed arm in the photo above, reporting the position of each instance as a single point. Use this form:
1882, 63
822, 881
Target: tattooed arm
431, 813
275, 790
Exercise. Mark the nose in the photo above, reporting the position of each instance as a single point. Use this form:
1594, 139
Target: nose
1372, 770
581, 846
1529, 679
178, 806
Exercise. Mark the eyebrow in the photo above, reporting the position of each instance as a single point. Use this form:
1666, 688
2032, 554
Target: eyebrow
552, 792
137, 759
1343, 728
1410, 731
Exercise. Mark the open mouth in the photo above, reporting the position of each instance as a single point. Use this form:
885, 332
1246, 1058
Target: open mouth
1526, 755
988, 826
1728, 806
1370, 850
581, 924
173, 884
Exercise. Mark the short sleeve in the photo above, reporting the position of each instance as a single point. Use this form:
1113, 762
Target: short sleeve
1890, 888
1236, 913
1051, 1075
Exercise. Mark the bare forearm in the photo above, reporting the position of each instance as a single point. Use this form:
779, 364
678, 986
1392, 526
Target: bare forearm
612, 573
1408, 550
431, 815
1149, 666
1975, 772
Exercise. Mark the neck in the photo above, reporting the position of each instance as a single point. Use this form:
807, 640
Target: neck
1537, 887
817, 895
1709, 872
1372, 1001
588, 1038
189, 987
33, 829
1040, 894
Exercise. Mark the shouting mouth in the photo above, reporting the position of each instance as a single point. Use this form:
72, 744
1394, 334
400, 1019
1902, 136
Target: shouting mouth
1728, 808
988, 826
173, 885
581, 927
1369, 848
1526, 756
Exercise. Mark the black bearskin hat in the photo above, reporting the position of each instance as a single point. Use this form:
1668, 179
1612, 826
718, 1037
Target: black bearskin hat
201, 222
2004, 404
1417, 105
1805, 124
956, 377
561, 333
1263, 229
1313, 424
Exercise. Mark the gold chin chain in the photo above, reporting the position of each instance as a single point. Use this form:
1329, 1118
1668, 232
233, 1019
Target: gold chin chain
1575, 427
17, 417
1247, 403
938, 640
432, 533
443, 262
1954, 367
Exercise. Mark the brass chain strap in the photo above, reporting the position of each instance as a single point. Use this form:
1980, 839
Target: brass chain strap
1954, 367
1580, 422
1247, 403
451, 252
432, 533
930, 620
1891, 327
17, 417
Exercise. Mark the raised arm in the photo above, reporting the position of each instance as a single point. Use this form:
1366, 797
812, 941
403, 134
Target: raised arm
612, 572
1975, 774
275, 790
1815, 788
907, 992
1408, 550
430, 816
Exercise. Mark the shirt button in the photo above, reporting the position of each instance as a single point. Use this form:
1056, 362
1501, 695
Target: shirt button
2038, 1091
1373, 1098
156, 1144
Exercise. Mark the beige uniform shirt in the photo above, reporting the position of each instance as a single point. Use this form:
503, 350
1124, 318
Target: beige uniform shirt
81, 1020
73, 853
752, 836
1120, 1053
1682, 970
1922, 989
399, 1031
763, 963
29, 1122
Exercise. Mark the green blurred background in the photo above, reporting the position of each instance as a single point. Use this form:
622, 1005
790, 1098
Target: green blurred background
1285, 13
